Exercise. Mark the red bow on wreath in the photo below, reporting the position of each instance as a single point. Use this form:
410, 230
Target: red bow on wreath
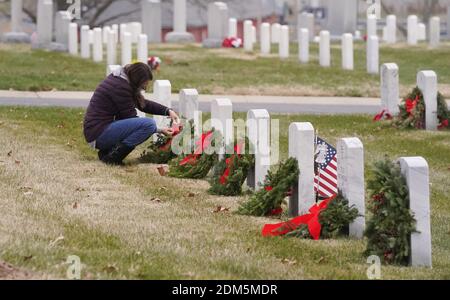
201, 144
176, 130
411, 105
229, 163
311, 219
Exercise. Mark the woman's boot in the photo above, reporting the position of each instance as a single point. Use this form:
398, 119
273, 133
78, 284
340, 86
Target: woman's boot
116, 155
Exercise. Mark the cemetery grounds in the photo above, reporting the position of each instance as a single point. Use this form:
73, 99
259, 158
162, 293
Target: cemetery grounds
57, 200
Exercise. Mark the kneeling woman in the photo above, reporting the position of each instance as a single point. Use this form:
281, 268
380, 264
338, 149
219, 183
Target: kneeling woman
111, 124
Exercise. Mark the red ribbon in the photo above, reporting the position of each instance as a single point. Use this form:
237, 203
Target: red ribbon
311, 219
229, 163
444, 124
201, 144
381, 115
176, 130
411, 104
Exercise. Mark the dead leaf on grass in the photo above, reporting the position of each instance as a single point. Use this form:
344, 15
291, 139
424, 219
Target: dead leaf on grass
288, 261
220, 209
157, 200
110, 269
28, 194
56, 241
17, 161
162, 170
27, 258
75, 205
9, 153
322, 259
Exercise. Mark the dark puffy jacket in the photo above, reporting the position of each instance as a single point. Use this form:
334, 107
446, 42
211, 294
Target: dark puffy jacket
112, 101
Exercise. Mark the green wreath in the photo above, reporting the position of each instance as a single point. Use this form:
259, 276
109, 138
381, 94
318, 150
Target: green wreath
197, 166
230, 173
273, 191
412, 111
392, 223
160, 151
334, 220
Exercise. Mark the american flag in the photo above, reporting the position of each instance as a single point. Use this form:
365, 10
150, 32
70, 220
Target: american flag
325, 182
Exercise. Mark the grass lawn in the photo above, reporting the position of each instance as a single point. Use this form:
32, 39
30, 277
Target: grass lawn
229, 71
57, 200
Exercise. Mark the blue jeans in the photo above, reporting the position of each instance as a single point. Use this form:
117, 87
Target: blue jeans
130, 132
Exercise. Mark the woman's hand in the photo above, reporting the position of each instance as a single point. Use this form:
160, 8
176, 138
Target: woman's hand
167, 131
173, 115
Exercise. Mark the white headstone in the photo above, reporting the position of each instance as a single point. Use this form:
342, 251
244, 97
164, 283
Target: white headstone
44, 23
448, 22
123, 29
324, 49
301, 146
421, 32
232, 28
248, 36
62, 21
303, 40
416, 172
391, 29
105, 31
16, 15
217, 24
435, 32
254, 37
85, 44
284, 42
111, 48
126, 49
189, 107
371, 25
275, 31
350, 158
306, 21
73, 38
135, 30
179, 34
258, 133
222, 121
412, 30
16, 35
91, 37
373, 55
98, 45
390, 88
162, 92
342, 16
151, 19
347, 51
143, 48
427, 83
265, 38
115, 29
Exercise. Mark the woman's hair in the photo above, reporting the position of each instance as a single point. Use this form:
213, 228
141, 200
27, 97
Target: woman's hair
138, 74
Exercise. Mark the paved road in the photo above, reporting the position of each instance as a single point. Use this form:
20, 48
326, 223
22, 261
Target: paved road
274, 104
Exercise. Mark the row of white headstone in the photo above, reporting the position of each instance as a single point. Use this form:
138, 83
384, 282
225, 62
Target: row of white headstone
426, 81
92, 43
350, 158
350, 177
281, 35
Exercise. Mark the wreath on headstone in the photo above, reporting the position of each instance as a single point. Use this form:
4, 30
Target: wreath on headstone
412, 112
198, 164
231, 172
392, 223
329, 219
268, 200
160, 151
